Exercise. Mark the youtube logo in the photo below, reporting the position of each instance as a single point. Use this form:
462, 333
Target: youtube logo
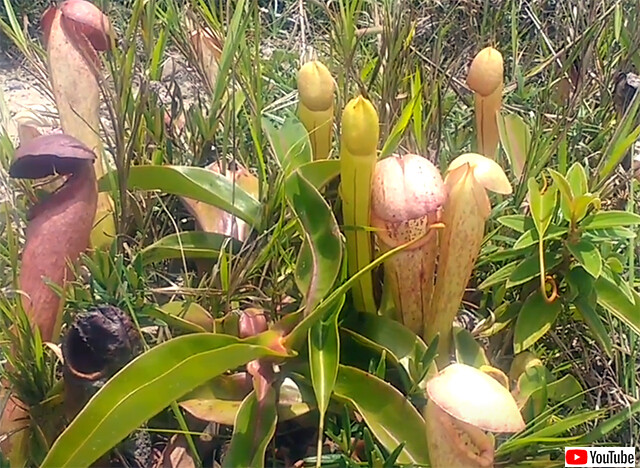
576, 457
600, 457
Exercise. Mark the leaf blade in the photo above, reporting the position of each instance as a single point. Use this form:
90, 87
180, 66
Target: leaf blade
131, 396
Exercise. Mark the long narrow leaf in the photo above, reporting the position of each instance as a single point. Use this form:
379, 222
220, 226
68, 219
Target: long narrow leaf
387, 412
142, 389
253, 429
197, 183
320, 258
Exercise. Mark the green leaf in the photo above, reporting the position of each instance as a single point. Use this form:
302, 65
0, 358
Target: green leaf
531, 237
622, 285
194, 182
606, 235
599, 432
337, 297
505, 314
566, 390
581, 205
566, 199
519, 223
534, 320
219, 399
532, 391
290, 143
417, 89
230, 49
143, 388
545, 434
386, 411
500, 276
191, 313
595, 323
587, 255
615, 264
577, 178
529, 268
400, 127
176, 322
617, 22
253, 429
382, 333
320, 173
324, 357
319, 262
610, 219
468, 351
611, 298
620, 145
188, 244
515, 138
542, 205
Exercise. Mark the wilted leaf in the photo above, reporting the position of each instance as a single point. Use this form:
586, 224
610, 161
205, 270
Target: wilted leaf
176, 454
534, 320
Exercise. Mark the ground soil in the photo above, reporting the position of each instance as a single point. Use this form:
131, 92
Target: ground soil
21, 91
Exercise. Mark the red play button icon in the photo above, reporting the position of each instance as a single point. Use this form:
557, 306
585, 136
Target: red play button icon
576, 457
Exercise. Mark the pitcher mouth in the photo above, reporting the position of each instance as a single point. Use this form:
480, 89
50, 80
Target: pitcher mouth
394, 234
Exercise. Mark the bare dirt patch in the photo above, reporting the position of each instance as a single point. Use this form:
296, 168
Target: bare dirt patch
21, 91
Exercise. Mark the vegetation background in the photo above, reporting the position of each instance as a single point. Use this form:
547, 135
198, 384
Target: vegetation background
569, 110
